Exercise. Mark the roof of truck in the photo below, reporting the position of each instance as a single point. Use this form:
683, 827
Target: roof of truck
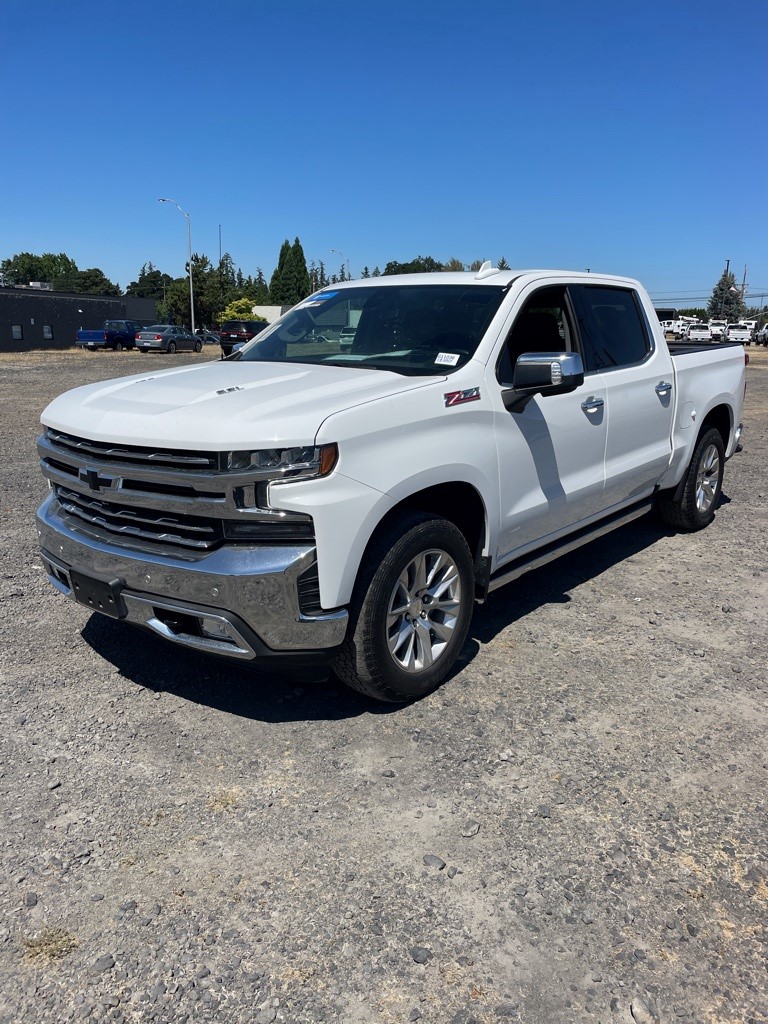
486, 275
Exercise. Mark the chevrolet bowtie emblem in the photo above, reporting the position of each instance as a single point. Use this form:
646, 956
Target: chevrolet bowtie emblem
94, 481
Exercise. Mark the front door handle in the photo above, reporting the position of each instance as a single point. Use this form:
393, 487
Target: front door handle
662, 388
592, 404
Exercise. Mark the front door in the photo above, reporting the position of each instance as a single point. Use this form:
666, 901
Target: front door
551, 453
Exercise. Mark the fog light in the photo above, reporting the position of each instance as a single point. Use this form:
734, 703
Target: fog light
216, 629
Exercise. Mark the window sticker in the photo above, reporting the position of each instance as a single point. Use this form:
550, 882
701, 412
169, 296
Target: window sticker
317, 300
447, 359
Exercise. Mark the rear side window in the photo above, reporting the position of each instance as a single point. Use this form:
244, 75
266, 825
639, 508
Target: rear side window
612, 327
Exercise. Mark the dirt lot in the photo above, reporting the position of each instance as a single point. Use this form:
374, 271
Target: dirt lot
573, 829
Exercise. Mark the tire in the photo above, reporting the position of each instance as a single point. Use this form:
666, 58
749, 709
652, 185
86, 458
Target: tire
198, 346
118, 346
410, 611
171, 347
692, 505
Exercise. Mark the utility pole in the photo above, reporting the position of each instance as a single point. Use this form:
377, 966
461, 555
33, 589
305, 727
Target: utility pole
744, 283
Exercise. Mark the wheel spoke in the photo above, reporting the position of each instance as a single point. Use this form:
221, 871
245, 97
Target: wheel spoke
423, 610
707, 479
443, 630
423, 640
419, 574
401, 641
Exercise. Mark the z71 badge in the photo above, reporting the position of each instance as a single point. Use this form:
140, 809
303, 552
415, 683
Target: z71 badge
460, 397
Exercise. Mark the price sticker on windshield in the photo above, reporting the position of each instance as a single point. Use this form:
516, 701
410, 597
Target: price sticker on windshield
317, 300
447, 359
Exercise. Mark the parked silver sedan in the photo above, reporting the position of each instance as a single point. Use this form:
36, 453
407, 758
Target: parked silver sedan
167, 338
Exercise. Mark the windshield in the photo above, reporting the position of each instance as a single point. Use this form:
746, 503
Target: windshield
409, 329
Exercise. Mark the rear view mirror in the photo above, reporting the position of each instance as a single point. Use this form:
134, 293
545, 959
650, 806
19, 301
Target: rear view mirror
545, 373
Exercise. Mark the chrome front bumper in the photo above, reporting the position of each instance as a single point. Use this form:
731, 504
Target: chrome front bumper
239, 601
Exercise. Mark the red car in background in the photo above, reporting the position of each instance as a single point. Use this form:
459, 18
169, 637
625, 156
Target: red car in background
234, 331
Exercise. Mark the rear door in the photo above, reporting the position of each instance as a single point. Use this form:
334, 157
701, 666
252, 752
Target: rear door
640, 387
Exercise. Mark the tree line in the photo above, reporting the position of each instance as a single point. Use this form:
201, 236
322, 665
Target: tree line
223, 292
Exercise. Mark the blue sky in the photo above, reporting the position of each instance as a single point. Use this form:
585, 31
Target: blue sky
627, 138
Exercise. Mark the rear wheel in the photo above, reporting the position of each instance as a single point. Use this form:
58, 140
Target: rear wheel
118, 346
171, 347
411, 610
692, 506
198, 346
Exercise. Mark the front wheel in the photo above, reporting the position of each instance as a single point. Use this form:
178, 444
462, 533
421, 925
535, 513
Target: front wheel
411, 610
198, 346
692, 505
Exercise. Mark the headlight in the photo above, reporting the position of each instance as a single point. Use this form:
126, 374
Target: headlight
285, 463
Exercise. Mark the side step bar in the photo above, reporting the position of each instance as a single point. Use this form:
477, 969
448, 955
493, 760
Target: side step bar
550, 552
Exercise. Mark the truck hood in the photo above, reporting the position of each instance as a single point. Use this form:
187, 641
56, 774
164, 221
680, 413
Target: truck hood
222, 405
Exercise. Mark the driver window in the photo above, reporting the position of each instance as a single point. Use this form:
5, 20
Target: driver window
542, 325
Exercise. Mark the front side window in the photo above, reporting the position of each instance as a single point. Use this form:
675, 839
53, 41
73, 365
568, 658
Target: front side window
542, 325
17, 332
415, 330
47, 332
612, 327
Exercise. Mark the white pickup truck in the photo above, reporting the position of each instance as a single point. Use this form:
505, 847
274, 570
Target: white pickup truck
308, 502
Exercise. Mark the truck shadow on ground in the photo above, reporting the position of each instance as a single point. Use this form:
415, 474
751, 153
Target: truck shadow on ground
236, 689
551, 583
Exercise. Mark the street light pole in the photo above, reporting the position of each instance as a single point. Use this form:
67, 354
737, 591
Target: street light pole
346, 260
189, 254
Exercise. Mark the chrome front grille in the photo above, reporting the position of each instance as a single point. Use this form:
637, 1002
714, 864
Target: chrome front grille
96, 517
132, 454
163, 499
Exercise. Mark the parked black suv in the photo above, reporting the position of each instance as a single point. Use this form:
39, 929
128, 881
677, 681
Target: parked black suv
232, 331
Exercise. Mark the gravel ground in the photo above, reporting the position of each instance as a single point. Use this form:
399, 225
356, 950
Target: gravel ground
573, 829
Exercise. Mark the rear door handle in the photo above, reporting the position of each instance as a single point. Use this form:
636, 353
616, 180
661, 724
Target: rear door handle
662, 388
592, 404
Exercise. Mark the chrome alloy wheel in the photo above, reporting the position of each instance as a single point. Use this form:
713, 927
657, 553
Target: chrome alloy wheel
423, 610
707, 478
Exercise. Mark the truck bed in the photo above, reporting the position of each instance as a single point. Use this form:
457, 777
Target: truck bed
679, 348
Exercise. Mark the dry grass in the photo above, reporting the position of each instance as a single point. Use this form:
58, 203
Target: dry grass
40, 356
224, 800
51, 944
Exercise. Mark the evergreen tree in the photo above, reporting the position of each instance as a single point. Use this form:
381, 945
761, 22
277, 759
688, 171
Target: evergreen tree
302, 286
277, 288
365, 272
151, 284
227, 273
503, 265
260, 289
726, 302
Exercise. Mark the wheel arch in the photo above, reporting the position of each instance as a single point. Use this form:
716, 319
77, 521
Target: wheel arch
461, 504
721, 418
